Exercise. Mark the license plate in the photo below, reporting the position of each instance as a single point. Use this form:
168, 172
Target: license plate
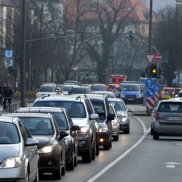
130, 99
174, 118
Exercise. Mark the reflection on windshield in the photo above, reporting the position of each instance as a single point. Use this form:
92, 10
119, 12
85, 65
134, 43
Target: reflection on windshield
8, 133
131, 87
98, 88
119, 106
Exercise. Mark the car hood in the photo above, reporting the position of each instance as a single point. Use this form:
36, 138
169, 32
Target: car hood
7, 150
44, 140
130, 92
103, 125
123, 113
46, 93
65, 92
79, 121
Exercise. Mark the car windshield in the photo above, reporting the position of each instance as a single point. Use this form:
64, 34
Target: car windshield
108, 95
99, 106
8, 133
119, 106
66, 88
99, 88
175, 107
38, 125
177, 90
131, 87
46, 89
81, 90
75, 109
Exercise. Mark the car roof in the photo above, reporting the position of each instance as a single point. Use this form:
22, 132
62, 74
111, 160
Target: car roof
7, 119
40, 109
103, 92
98, 84
48, 84
114, 99
77, 86
40, 115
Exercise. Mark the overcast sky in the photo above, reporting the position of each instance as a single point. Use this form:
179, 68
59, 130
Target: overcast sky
158, 4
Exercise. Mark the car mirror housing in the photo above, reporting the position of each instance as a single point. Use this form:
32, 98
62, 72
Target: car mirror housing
74, 128
63, 134
31, 142
94, 116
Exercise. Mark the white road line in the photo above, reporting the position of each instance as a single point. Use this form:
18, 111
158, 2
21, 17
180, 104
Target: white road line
123, 155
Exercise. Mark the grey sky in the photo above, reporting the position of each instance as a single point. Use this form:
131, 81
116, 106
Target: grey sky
158, 4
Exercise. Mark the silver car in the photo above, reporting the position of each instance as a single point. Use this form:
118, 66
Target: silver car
167, 118
18, 152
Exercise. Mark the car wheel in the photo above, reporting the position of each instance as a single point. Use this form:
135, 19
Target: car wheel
110, 144
151, 131
107, 145
94, 151
76, 160
155, 136
87, 156
57, 174
97, 149
127, 131
37, 175
27, 176
71, 165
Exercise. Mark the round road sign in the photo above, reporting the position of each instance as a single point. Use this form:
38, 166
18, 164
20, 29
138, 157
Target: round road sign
158, 57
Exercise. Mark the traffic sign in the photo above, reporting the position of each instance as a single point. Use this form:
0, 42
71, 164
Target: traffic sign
150, 57
149, 82
156, 87
150, 92
8, 58
158, 57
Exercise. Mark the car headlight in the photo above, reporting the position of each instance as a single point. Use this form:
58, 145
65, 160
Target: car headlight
103, 130
124, 119
11, 162
46, 149
114, 123
84, 130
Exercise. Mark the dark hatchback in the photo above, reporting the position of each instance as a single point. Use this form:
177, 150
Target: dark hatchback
65, 123
51, 142
101, 107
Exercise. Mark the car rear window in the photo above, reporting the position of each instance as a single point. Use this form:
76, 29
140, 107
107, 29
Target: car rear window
81, 90
175, 107
8, 134
46, 89
99, 88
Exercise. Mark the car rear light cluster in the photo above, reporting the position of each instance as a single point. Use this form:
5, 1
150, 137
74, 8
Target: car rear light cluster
163, 92
157, 116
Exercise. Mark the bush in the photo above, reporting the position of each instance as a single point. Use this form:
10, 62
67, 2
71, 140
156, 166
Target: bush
29, 95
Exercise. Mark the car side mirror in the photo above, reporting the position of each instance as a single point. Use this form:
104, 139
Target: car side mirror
63, 134
111, 117
130, 110
74, 128
94, 116
31, 142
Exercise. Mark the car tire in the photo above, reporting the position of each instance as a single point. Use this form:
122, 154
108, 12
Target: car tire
57, 174
155, 136
151, 131
63, 170
87, 156
127, 131
110, 144
76, 160
37, 175
116, 138
97, 149
94, 151
107, 145
71, 165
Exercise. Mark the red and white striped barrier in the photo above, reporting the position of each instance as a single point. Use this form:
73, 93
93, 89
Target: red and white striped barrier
156, 96
150, 103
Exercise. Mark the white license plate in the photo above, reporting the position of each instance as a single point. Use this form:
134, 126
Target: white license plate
174, 118
130, 99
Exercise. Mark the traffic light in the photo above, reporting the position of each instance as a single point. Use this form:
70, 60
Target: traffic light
161, 71
81, 37
130, 35
86, 75
82, 75
153, 71
142, 74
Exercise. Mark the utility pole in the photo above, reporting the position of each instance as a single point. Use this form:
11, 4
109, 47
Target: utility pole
22, 72
150, 34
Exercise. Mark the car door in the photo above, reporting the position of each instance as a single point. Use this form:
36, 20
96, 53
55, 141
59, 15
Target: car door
30, 152
109, 123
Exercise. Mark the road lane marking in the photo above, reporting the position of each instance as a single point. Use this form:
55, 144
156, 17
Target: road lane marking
172, 164
124, 154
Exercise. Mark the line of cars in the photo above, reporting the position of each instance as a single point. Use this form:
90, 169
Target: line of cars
49, 136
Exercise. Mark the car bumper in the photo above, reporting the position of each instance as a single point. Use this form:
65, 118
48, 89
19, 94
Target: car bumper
13, 174
103, 138
115, 130
49, 162
83, 143
124, 126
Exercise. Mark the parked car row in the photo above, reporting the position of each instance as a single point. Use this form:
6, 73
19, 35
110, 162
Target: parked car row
49, 136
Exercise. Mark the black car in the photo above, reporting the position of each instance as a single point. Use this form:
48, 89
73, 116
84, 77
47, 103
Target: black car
51, 142
64, 122
101, 106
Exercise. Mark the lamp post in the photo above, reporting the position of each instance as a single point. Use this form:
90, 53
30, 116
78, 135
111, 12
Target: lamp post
22, 72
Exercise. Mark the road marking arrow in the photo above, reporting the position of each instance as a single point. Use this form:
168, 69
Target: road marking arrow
171, 164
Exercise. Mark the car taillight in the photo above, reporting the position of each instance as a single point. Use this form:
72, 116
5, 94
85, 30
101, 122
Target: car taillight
157, 116
172, 92
163, 92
